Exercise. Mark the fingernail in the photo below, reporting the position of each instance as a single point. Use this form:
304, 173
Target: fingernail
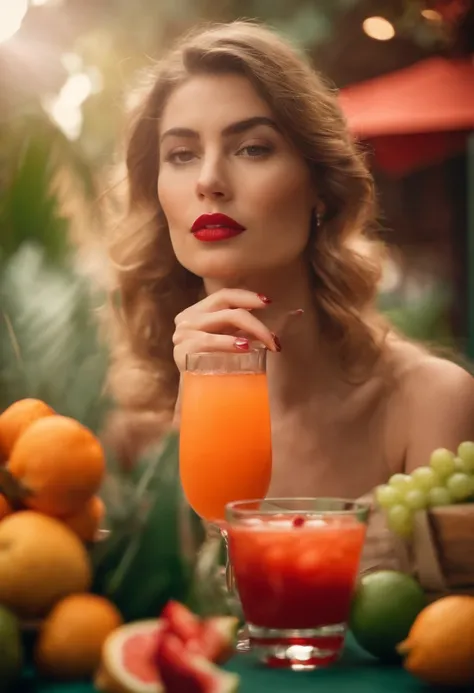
242, 344
276, 341
298, 311
264, 299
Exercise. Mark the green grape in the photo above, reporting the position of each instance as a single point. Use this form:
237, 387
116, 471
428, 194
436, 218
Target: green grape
466, 453
416, 500
425, 478
460, 486
460, 465
386, 496
442, 461
439, 496
400, 520
402, 483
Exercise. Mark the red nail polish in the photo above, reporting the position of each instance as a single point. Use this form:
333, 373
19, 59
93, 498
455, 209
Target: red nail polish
242, 344
264, 299
276, 342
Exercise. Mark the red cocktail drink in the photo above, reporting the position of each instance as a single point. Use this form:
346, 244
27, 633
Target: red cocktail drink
295, 563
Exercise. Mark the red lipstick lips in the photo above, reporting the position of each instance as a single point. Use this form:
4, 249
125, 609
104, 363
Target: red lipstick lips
215, 227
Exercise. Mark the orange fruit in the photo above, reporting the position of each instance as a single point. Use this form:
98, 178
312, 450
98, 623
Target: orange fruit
60, 462
5, 507
41, 561
86, 522
16, 419
71, 637
439, 648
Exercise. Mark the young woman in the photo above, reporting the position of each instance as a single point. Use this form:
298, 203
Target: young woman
250, 217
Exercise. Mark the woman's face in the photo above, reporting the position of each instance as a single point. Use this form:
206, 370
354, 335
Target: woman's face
221, 153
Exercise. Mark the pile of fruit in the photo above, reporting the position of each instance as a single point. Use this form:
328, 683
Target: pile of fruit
51, 465
51, 470
448, 479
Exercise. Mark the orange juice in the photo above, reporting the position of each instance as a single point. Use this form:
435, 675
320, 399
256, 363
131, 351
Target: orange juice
225, 440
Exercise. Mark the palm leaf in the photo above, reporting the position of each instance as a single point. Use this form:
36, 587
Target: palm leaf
33, 156
49, 339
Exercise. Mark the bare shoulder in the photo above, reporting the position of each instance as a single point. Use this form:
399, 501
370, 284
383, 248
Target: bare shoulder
435, 402
434, 375
416, 372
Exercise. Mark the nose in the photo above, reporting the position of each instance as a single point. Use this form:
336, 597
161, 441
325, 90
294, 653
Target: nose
213, 180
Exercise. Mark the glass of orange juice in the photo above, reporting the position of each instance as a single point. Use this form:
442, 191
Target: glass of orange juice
225, 435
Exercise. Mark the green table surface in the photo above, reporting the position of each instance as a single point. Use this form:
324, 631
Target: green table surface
356, 672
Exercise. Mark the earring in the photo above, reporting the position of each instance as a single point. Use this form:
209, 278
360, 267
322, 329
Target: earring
319, 218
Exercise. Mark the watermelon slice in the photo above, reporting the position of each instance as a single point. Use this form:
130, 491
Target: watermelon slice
181, 621
127, 664
184, 672
212, 638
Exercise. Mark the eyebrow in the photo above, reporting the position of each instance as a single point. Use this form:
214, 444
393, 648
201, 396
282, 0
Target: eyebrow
237, 128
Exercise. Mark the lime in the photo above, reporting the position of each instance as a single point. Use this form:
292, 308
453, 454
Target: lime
11, 651
384, 607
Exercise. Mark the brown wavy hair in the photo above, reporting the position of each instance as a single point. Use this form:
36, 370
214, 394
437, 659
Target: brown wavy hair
152, 287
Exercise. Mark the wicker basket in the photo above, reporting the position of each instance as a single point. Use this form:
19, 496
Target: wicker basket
442, 550
440, 554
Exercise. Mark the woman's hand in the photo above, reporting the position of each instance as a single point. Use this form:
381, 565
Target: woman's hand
222, 321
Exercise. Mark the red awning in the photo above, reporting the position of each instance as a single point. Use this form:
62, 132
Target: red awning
416, 116
430, 96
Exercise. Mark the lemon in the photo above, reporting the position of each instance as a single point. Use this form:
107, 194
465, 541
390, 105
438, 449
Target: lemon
11, 651
385, 606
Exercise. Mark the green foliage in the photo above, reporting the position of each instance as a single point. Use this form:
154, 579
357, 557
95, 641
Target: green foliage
27, 207
49, 340
154, 537
425, 319
34, 152
48, 337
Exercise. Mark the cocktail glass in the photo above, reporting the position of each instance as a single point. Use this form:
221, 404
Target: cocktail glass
295, 563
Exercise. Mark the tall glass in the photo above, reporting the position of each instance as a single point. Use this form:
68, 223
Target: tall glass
295, 562
225, 435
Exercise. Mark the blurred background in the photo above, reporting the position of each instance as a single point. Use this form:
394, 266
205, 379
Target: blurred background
67, 68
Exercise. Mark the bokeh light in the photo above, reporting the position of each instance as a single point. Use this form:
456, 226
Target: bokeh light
12, 13
378, 28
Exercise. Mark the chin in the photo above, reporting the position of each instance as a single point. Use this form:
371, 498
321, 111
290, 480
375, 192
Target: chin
222, 265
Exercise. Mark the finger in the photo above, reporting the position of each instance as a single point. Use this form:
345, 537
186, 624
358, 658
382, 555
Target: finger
233, 298
235, 320
207, 342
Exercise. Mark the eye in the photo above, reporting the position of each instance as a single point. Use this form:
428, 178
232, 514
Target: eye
254, 151
180, 156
